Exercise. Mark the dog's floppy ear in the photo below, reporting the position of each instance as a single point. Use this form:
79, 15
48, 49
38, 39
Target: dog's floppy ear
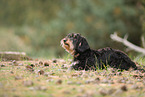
83, 45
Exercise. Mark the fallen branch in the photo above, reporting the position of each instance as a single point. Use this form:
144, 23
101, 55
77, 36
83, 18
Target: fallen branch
143, 41
19, 56
115, 37
14, 53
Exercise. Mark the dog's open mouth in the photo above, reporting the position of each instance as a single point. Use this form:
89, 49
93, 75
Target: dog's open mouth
66, 44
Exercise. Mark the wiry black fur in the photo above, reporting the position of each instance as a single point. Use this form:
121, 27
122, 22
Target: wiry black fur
91, 59
86, 58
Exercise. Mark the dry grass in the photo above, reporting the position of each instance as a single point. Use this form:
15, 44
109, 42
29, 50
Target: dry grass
57, 81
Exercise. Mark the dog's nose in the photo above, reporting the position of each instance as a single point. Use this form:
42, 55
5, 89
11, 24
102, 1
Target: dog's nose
64, 40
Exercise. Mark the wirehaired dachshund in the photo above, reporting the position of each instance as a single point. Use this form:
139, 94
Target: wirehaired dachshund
88, 59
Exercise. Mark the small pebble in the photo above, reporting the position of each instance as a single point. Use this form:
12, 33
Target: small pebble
54, 60
18, 68
110, 82
10, 63
121, 81
81, 90
103, 92
36, 64
129, 82
87, 82
41, 72
135, 76
40, 63
32, 65
49, 80
11, 72
28, 83
112, 74
97, 79
18, 77
85, 75
2, 65
36, 76
78, 83
46, 74
124, 88
141, 76
51, 73
113, 70
20, 64
70, 83
46, 64
118, 73
59, 81
111, 91
28, 67
41, 88
74, 74
64, 66
139, 80
117, 92
134, 86
125, 78
66, 92
104, 81
31, 88
14, 62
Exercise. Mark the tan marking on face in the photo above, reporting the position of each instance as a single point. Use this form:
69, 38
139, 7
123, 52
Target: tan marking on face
68, 45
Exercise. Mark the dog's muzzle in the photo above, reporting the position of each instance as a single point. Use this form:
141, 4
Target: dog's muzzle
67, 44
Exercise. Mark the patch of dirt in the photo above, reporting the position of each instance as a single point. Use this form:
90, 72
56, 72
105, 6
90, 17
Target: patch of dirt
21, 78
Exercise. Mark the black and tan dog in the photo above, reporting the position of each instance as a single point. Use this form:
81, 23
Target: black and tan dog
86, 58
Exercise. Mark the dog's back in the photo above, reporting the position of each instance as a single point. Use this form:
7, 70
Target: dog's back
114, 58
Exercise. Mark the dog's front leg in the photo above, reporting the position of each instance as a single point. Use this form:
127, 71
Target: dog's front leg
74, 65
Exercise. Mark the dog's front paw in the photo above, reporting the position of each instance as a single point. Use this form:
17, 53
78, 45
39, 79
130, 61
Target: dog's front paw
73, 65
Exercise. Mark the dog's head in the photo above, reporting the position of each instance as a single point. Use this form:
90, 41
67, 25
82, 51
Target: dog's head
74, 43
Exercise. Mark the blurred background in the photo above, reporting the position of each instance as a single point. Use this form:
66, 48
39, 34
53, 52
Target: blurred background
37, 26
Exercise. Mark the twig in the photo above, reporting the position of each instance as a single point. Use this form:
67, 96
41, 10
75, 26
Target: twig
115, 37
